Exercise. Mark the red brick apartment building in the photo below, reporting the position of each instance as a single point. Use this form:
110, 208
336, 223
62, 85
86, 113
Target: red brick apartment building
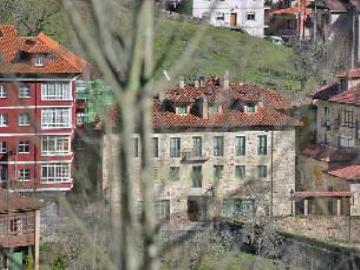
37, 112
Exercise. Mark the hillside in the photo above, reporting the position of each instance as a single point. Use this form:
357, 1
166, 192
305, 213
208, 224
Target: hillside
247, 58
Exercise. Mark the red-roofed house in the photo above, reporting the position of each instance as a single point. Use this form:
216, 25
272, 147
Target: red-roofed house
331, 164
214, 140
37, 112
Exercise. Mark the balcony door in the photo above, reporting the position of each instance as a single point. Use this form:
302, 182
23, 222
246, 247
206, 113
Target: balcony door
197, 146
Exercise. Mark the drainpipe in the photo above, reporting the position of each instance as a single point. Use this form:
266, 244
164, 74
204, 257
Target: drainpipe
272, 175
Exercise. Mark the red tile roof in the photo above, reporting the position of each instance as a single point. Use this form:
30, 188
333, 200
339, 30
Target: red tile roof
12, 46
351, 172
327, 153
327, 91
265, 116
350, 96
351, 73
306, 194
15, 202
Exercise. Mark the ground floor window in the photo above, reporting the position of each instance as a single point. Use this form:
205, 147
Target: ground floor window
235, 207
162, 209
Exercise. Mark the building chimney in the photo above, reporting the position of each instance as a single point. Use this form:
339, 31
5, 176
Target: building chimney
202, 81
196, 83
182, 82
204, 107
226, 80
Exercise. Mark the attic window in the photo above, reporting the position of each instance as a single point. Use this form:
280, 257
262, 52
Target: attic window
39, 60
250, 107
182, 109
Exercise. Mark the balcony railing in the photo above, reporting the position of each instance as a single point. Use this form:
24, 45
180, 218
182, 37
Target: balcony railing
192, 155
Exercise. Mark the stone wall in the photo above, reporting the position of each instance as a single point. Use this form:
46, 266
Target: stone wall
280, 162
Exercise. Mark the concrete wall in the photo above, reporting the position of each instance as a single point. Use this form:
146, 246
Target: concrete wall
211, 8
281, 158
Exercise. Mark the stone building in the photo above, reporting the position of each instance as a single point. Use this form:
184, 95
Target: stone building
330, 168
220, 149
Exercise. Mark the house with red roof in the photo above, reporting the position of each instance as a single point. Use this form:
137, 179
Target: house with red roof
37, 111
19, 230
219, 149
331, 166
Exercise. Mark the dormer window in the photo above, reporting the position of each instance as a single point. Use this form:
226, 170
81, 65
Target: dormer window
182, 109
39, 60
250, 107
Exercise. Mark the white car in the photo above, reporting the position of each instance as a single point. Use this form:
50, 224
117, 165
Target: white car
277, 40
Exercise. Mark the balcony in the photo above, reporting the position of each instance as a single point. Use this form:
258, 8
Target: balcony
193, 155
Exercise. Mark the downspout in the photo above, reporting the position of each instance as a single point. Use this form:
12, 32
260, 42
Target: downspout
272, 174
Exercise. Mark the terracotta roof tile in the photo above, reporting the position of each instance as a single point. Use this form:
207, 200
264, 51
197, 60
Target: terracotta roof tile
351, 172
16, 202
350, 96
327, 91
11, 46
327, 153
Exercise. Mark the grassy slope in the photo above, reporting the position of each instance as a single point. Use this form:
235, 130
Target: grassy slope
247, 58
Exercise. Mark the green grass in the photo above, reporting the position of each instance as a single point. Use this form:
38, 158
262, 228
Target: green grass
247, 58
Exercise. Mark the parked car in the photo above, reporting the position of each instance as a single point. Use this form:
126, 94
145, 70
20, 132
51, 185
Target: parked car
276, 40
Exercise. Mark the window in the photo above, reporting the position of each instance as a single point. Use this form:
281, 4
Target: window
235, 207
197, 146
251, 16
218, 172
24, 147
240, 145
155, 143
39, 60
220, 16
346, 141
183, 109
213, 108
3, 147
174, 147
135, 148
218, 146
56, 118
24, 174
55, 145
55, 172
55, 91
3, 91
250, 108
3, 119
347, 118
24, 119
240, 172
261, 171
162, 210
81, 118
174, 173
343, 84
196, 176
3, 174
24, 91
262, 145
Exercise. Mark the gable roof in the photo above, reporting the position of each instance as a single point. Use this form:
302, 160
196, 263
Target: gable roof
327, 153
15, 202
351, 172
11, 46
350, 96
327, 91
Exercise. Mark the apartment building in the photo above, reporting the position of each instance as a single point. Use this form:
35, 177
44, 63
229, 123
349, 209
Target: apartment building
37, 112
330, 168
235, 14
219, 149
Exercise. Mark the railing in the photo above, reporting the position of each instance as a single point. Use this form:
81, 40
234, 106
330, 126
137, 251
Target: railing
191, 155
17, 229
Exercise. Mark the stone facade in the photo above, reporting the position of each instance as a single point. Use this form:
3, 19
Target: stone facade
279, 161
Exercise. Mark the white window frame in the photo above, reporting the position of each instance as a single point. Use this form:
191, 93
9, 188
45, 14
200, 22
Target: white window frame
4, 119
56, 91
49, 117
54, 173
22, 117
24, 144
39, 60
55, 143
24, 174
3, 147
24, 91
3, 91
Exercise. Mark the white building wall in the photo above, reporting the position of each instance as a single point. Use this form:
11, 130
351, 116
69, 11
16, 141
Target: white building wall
214, 9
